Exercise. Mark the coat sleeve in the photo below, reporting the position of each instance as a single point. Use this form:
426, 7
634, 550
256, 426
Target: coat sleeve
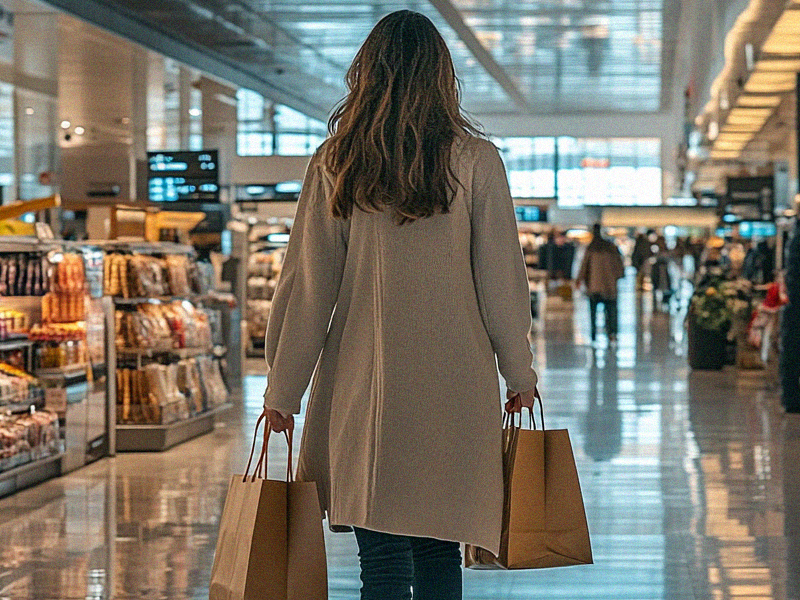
583, 272
619, 264
499, 273
306, 294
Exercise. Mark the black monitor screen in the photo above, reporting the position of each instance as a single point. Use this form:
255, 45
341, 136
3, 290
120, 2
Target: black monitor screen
183, 176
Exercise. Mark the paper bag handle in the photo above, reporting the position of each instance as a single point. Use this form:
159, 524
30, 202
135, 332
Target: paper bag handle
509, 419
261, 465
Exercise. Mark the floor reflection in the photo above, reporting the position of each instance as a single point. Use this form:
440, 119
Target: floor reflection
690, 482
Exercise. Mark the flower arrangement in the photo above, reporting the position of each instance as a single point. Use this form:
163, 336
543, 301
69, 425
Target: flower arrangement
715, 304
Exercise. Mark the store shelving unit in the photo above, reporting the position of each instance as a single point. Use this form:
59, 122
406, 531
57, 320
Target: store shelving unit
157, 437
50, 458
29, 474
265, 237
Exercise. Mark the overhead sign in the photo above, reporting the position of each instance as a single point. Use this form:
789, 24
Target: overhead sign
183, 176
749, 199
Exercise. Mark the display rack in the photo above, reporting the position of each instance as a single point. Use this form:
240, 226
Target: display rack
266, 243
29, 474
157, 438
59, 401
150, 417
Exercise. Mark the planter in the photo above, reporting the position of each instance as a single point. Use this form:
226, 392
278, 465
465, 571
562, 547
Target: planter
708, 350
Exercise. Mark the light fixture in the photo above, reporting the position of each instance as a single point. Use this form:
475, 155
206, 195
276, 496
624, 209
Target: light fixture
713, 130
29, 110
734, 137
750, 112
125, 120
748, 101
786, 65
770, 82
195, 112
79, 130
65, 124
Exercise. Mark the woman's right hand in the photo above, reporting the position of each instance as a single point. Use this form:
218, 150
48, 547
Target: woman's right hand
519, 400
278, 422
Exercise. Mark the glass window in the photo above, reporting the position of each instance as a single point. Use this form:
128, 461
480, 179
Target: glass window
266, 128
530, 163
618, 171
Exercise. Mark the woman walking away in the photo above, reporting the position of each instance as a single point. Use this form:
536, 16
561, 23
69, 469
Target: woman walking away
403, 290
601, 268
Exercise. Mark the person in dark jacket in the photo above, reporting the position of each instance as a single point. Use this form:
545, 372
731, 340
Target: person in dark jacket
639, 256
600, 270
790, 327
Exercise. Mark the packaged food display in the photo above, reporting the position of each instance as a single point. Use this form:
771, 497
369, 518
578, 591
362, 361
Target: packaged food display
13, 323
264, 269
66, 300
146, 276
69, 275
164, 394
60, 345
18, 387
23, 274
177, 324
28, 437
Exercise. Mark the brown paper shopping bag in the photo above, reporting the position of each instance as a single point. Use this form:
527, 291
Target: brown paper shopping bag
270, 544
544, 522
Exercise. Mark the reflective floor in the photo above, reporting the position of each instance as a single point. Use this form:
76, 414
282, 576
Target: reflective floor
691, 483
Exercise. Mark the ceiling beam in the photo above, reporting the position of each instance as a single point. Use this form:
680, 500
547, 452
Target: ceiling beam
114, 19
453, 17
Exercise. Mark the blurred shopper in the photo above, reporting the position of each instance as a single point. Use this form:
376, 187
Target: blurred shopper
661, 272
759, 264
600, 270
640, 256
404, 285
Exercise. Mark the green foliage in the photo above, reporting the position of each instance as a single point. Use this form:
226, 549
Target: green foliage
715, 304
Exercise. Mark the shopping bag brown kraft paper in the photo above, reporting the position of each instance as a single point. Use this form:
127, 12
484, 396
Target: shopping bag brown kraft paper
544, 522
270, 544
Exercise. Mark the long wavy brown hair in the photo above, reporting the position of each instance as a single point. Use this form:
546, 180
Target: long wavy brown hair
391, 138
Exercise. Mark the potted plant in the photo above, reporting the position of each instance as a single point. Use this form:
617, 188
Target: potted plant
709, 321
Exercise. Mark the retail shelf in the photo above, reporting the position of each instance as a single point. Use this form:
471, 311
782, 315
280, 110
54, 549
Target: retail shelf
66, 372
8, 345
190, 298
157, 438
30, 474
150, 352
20, 407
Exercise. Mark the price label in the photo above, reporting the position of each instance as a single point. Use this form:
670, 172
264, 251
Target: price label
56, 399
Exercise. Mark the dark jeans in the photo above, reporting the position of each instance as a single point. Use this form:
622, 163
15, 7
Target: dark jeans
610, 308
391, 565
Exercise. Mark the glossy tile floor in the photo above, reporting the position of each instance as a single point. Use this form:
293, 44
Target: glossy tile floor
691, 484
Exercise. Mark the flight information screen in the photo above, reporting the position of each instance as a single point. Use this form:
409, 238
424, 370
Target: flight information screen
183, 176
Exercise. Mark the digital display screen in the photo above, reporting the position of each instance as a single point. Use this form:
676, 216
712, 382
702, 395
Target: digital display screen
183, 176
530, 214
749, 229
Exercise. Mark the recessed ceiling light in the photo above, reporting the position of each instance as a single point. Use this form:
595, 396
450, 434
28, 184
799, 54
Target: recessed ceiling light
65, 124
79, 130
29, 110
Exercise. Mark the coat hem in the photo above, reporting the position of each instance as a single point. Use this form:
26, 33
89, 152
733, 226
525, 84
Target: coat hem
344, 526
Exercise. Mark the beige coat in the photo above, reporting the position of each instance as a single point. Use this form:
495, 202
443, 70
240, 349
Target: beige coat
402, 431
600, 269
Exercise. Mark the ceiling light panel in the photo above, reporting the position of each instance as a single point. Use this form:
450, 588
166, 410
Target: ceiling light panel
759, 101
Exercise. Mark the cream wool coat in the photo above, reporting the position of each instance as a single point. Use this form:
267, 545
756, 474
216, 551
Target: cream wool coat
400, 326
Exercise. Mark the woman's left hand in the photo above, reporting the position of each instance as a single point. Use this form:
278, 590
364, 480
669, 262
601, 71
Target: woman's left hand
277, 422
